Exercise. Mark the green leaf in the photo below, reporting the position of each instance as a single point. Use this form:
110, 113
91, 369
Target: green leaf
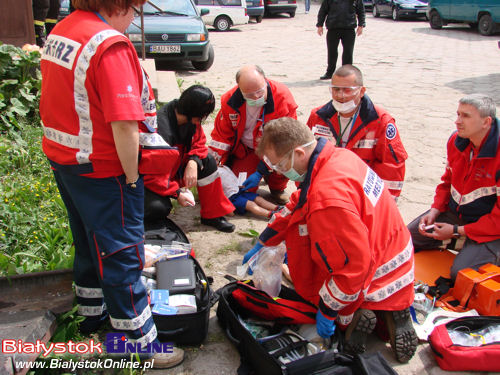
18, 107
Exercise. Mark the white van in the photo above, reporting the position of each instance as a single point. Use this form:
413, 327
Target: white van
223, 13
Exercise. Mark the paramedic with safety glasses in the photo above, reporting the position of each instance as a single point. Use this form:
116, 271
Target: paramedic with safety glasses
349, 251
352, 121
245, 110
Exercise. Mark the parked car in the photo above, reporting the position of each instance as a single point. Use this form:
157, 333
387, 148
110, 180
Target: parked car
173, 30
223, 13
63, 10
280, 6
483, 14
255, 9
368, 4
400, 8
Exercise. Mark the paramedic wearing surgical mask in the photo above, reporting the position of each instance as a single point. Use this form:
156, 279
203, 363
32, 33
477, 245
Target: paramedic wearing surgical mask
349, 251
350, 120
245, 109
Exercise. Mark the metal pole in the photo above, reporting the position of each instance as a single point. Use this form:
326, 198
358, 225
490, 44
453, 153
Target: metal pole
142, 35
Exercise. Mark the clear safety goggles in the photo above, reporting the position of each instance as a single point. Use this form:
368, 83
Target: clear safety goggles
281, 165
256, 94
344, 90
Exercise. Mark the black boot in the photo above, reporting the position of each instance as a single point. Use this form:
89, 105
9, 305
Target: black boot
219, 223
40, 35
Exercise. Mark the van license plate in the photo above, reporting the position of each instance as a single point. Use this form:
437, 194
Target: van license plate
165, 49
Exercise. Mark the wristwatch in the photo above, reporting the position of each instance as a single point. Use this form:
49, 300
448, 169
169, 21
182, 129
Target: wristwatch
455, 231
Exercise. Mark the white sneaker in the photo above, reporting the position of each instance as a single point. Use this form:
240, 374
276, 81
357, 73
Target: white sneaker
167, 360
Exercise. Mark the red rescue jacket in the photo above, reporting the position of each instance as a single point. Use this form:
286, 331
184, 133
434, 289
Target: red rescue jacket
231, 119
374, 138
471, 185
347, 244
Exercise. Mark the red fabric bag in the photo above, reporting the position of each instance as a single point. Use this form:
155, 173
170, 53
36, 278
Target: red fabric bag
481, 354
287, 308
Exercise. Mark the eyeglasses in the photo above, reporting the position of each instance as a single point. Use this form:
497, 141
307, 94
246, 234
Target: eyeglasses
256, 94
345, 90
279, 166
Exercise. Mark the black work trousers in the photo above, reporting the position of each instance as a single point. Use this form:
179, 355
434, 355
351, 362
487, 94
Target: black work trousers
333, 37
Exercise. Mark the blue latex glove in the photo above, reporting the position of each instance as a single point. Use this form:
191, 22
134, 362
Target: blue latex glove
253, 251
252, 181
324, 326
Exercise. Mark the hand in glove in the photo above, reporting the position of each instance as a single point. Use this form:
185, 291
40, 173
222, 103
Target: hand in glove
252, 252
324, 326
252, 181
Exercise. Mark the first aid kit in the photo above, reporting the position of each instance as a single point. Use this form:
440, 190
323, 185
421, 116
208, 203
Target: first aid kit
260, 327
467, 344
479, 290
181, 298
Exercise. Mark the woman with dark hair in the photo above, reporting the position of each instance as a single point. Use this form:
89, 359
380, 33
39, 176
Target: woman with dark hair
179, 123
97, 111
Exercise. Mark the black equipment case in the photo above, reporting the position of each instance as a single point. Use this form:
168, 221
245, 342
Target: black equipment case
257, 360
183, 329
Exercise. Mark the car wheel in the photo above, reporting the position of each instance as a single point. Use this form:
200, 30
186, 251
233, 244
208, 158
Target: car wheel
486, 25
205, 65
222, 23
395, 14
375, 11
435, 20
292, 14
258, 19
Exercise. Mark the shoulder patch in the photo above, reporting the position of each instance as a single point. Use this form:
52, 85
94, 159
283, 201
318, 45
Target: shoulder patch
391, 131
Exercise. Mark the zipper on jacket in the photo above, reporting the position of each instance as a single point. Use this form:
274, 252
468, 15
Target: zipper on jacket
393, 153
323, 256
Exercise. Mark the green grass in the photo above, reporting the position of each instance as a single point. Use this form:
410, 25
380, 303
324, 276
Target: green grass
34, 230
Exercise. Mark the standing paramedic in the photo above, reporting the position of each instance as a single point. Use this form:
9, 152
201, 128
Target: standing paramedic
466, 208
342, 27
245, 110
179, 124
94, 126
349, 251
352, 121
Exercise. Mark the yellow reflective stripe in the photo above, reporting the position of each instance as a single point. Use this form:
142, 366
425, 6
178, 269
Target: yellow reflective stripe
50, 20
39, 23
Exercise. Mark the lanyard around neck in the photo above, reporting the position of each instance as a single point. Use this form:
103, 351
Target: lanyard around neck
341, 133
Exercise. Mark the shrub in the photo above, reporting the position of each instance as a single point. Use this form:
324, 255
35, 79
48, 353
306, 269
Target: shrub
19, 85
34, 230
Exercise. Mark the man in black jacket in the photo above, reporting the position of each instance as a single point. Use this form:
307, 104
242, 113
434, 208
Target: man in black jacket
341, 21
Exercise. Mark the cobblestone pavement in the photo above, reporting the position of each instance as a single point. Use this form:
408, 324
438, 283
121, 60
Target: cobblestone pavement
416, 73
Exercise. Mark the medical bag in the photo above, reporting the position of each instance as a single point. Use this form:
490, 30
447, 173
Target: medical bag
479, 290
467, 344
281, 350
190, 328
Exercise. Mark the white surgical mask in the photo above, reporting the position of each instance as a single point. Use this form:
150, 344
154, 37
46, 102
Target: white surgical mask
256, 102
344, 107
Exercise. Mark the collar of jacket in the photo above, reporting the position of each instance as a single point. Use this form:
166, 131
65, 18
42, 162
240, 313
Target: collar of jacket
237, 100
304, 185
367, 114
489, 148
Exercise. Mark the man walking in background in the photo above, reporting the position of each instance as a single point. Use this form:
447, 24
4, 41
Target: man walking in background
341, 21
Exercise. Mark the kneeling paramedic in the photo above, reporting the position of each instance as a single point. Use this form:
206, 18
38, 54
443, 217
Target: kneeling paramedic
349, 251
179, 124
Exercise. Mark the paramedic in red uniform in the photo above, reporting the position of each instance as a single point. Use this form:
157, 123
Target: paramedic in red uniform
97, 109
352, 121
245, 110
349, 251
179, 124
466, 208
